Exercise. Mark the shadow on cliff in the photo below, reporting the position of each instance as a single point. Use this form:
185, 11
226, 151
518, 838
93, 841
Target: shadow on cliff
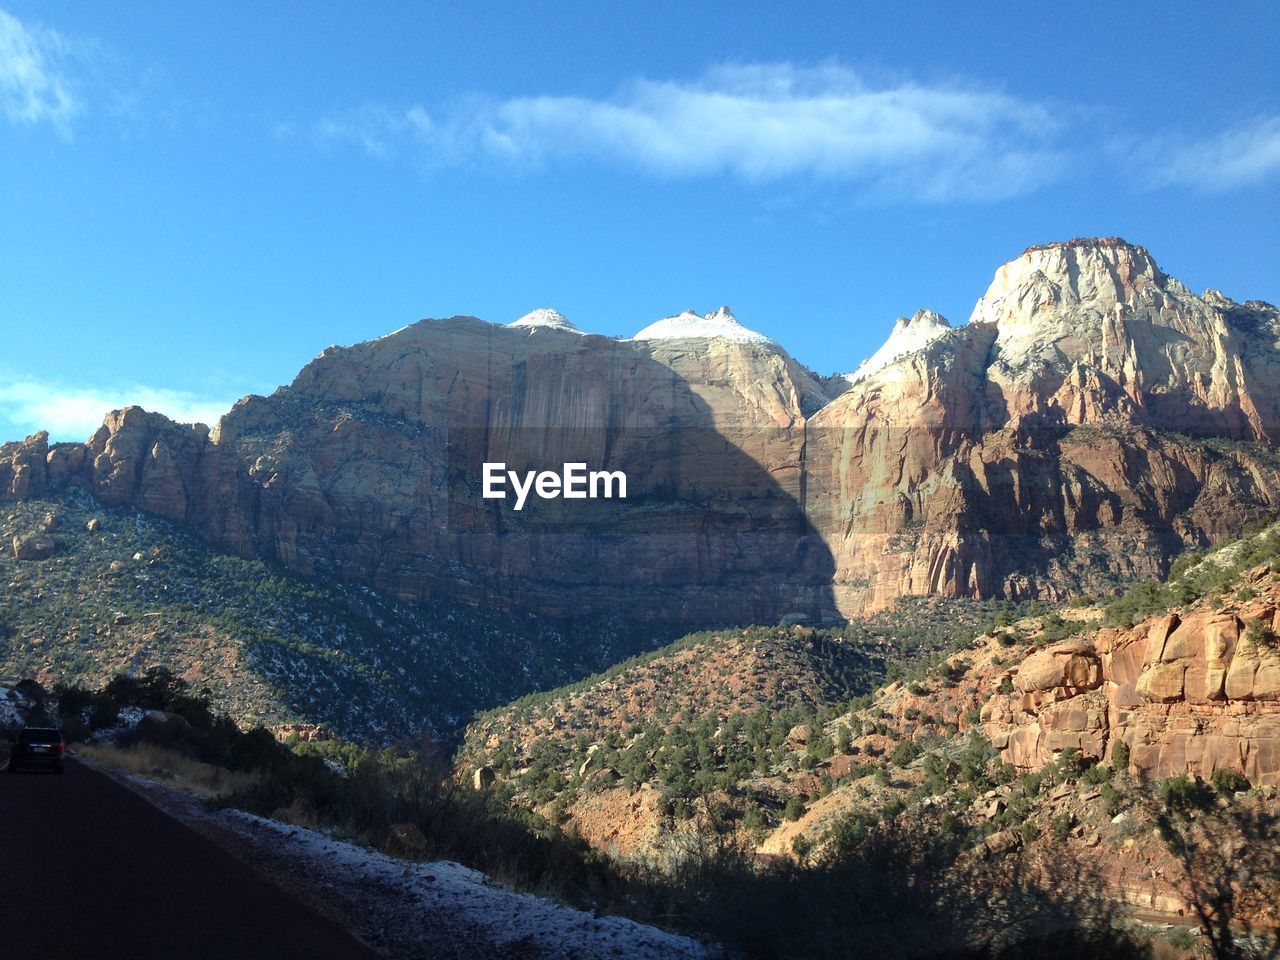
367, 470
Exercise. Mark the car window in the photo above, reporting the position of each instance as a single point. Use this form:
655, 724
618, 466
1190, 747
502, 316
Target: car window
39, 736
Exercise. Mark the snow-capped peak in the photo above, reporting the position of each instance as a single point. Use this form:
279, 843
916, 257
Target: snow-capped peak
546, 317
719, 323
909, 335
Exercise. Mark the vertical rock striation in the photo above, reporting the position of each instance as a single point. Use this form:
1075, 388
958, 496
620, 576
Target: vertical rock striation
1092, 418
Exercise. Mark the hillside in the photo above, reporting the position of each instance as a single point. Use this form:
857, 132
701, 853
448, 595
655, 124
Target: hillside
628, 757
91, 590
1058, 737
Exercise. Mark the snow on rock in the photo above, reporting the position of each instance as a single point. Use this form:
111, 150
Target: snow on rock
126, 720
546, 317
722, 323
470, 902
909, 335
9, 703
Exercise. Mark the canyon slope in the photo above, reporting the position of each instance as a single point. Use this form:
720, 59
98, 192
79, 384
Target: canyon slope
1091, 420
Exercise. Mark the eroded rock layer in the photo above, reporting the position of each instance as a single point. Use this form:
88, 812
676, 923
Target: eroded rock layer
1093, 418
1188, 693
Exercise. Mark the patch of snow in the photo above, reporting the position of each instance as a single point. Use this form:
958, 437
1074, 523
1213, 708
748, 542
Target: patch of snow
336, 766
721, 323
9, 701
548, 318
126, 720
512, 920
909, 335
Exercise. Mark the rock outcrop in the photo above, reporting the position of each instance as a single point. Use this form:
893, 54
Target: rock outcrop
33, 547
1091, 419
1189, 693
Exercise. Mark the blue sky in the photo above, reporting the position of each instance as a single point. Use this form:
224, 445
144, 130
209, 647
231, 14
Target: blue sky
196, 201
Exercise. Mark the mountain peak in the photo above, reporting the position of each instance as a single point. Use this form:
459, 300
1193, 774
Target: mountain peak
909, 335
1083, 243
1097, 272
546, 317
719, 323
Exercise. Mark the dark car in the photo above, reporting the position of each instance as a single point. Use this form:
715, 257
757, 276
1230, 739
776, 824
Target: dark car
38, 747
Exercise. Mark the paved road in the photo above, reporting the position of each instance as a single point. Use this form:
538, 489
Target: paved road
90, 871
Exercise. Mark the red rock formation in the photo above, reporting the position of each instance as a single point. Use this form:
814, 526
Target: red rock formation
1188, 693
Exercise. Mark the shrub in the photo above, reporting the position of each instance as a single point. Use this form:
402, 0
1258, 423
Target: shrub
1185, 563
794, 809
844, 739
905, 753
754, 819
1120, 756
1259, 634
1182, 794
1096, 774
1141, 600
1227, 782
1055, 628
1112, 799
1062, 824
1069, 765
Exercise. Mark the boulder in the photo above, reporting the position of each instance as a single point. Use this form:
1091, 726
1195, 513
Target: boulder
483, 779
799, 735
406, 840
36, 546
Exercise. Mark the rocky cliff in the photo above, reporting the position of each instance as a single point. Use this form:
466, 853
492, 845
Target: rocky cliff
1091, 419
1190, 692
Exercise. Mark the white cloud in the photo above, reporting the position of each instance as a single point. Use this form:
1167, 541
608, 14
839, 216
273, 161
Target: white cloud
34, 81
75, 413
759, 123
1243, 156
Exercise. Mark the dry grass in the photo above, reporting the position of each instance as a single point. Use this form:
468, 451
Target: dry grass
160, 763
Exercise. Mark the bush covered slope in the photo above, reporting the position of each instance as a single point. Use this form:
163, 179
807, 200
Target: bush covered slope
90, 591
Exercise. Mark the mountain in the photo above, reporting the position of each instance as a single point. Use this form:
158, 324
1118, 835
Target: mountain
1052, 738
1193, 689
720, 324
367, 468
909, 335
91, 590
546, 319
1090, 421
625, 756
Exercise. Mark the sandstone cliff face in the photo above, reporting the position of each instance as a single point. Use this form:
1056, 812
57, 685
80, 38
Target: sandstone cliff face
1189, 693
368, 467
1050, 438
1091, 419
